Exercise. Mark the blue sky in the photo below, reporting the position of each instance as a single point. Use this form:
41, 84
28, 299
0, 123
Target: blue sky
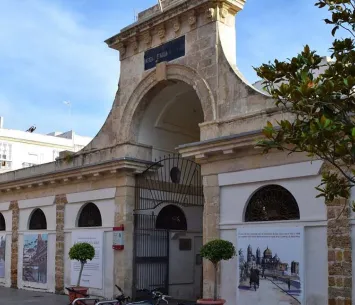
54, 51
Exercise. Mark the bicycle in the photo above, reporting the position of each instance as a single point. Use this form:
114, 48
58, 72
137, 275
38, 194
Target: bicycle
156, 298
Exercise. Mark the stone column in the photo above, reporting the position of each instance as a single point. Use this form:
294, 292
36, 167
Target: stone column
14, 242
60, 202
123, 260
339, 253
211, 218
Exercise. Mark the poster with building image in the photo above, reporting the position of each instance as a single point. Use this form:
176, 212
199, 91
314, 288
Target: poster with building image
34, 264
270, 266
92, 275
2, 255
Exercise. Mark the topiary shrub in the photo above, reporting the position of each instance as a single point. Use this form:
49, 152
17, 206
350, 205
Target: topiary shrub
81, 252
215, 251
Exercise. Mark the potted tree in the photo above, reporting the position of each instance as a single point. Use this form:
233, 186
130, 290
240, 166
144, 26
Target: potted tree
216, 251
81, 252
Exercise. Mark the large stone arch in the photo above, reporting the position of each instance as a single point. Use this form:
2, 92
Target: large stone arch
151, 84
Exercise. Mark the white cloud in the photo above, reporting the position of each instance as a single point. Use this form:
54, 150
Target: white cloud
49, 54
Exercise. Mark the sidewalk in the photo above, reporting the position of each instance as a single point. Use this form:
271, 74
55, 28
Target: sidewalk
10, 296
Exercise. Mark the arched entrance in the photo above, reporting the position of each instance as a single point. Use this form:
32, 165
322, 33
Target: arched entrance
169, 196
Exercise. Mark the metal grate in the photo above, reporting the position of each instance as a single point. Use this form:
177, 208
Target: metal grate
272, 203
90, 216
170, 180
2, 223
38, 220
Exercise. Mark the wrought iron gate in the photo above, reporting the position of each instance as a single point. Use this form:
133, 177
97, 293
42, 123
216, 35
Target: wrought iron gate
170, 181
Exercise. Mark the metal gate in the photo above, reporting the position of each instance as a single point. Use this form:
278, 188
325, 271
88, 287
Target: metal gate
173, 182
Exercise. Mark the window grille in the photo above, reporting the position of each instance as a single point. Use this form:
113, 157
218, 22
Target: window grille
38, 220
90, 216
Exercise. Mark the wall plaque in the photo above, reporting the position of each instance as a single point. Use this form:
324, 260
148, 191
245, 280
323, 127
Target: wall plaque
166, 52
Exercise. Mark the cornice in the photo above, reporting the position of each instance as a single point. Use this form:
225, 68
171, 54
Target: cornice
225, 146
74, 174
178, 11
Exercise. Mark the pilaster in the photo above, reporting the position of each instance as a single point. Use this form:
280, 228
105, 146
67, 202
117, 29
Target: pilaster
60, 201
14, 243
123, 260
339, 253
211, 216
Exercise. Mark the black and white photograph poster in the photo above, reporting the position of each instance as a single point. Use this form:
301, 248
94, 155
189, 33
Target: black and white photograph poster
35, 249
270, 266
2, 255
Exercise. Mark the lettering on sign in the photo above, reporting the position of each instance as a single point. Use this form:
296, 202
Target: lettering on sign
168, 51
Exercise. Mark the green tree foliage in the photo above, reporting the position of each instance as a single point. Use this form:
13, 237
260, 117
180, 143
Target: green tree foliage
216, 251
81, 252
322, 106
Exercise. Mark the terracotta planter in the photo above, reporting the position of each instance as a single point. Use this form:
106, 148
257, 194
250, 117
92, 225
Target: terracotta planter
211, 302
80, 292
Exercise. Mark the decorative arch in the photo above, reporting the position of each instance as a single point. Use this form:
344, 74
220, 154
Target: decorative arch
89, 216
141, 96
2, 223
171, 217
272, 203
38, 220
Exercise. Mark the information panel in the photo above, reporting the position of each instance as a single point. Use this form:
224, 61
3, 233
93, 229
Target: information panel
166, 52
93, 271
270, 266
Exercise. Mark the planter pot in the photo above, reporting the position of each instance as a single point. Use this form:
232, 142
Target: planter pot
211, 302
78, 292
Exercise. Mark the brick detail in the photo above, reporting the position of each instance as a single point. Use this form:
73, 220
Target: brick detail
14, 242
60, 202
339, 253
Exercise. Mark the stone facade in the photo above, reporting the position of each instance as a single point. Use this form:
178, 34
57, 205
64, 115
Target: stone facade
232, 115
60, 202
339, 253
14, 242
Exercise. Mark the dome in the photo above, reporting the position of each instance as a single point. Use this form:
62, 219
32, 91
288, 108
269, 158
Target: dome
268, 252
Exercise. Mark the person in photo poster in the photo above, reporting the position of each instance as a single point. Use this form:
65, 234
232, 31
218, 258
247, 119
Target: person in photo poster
269, 269
2, 255
35, 258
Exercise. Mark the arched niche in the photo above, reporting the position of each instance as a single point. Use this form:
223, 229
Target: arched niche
37, 220
272, 203
89, 216
2, 223
171, 217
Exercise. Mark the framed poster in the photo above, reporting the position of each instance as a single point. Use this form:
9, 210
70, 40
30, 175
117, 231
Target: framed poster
2, 255
92, 275
34, 264
270, 266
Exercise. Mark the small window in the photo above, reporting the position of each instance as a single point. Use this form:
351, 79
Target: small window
185, 244
90, 216
175, 175
2, 223
171, 217
272, 203
38, 220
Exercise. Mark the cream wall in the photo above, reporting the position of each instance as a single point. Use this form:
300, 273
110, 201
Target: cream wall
237, 188
8, 222
27, 207
104, 200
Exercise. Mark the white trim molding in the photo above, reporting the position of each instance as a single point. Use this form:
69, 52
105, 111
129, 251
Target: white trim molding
288, 171
91, 196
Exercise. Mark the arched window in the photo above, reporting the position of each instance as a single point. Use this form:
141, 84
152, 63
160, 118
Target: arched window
38, 220
171, 218
90, 216
2, 223
271, 203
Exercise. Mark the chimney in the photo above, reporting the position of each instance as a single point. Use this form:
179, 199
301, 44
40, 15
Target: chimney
1, 122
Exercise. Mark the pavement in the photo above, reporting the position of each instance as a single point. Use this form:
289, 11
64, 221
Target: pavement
10, 296
267, 294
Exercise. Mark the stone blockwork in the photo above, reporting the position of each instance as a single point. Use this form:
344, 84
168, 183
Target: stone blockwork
124, 201
339, 253
14, 242
211, 215
60, 201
